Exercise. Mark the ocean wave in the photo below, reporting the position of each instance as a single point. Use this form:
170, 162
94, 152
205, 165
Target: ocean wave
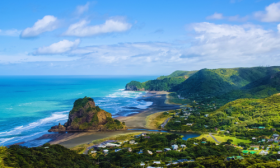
58, 116
144, 106
123, 93
21, 138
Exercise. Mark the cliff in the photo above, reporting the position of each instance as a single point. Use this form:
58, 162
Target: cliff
86, 116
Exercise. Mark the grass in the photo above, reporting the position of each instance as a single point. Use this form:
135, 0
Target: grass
120, 137
206, 136
223, 139
153, 121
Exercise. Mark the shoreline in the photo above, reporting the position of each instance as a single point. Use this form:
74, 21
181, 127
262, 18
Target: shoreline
133, 121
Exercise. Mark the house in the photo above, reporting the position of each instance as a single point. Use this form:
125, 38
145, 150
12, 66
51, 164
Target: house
256, 148
253, 138
116, 150
278, 160
150, 152
203, 142
112, 145
129, 150
189, 124
195, 143
132, 141
261, 127
167, 149
206, 126
183, 146
156, 162
278, 153
263, 152
174, 147
140, 152
275, 136
101, 146
263, 140
234, 158
178, 121
105, 151
158, 151
142, 164
227, 132
93, 151
206, 115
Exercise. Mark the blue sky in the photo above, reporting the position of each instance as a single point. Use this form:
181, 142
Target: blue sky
144, 37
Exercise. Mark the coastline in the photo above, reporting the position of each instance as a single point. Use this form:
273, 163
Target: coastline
133, 121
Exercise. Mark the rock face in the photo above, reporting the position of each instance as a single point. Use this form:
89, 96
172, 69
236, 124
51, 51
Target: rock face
86, 116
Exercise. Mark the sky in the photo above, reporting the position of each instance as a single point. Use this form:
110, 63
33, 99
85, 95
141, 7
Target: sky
139, 37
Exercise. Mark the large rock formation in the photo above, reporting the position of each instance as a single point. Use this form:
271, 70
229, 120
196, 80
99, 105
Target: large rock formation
85, 116
134, 86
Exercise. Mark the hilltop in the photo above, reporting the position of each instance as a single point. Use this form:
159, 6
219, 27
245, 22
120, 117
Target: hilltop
162, 83
218, 84
86, 116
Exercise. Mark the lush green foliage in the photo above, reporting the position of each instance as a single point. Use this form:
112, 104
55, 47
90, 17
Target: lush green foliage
80, 103
185, 74
136, 84
242, 118
51, 157
155, 142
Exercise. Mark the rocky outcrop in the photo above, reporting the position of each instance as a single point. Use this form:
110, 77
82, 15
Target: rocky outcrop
86, 116
134, 86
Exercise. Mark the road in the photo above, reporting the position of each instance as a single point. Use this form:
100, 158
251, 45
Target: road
214, 138
165, 122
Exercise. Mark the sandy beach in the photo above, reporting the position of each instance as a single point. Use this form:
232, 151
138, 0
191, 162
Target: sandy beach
132, 122
139, 120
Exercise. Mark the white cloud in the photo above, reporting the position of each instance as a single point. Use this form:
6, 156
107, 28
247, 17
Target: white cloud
58, 48
82, 29
216, 16
271, 13
238, 45
11, 32
82, 8
47, 23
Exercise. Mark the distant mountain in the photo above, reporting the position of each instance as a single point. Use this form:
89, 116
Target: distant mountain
165, 83
227, 84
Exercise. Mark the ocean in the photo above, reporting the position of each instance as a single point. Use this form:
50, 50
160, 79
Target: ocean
30, 105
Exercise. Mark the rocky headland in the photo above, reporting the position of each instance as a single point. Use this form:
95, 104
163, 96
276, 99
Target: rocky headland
86, 116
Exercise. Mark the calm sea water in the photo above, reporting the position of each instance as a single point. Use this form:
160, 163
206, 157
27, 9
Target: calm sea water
30, 105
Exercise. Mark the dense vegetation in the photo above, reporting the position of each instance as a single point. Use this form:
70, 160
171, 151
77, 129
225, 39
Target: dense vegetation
162, 83
52, 156
219, 85
195, 153
242, 117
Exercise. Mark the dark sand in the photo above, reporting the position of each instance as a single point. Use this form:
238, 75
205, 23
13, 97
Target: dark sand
134, 121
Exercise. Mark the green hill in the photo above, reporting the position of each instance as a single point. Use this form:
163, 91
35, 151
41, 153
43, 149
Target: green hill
213, 82
162, 83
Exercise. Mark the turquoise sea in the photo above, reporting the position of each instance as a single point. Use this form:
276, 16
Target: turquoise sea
30, 105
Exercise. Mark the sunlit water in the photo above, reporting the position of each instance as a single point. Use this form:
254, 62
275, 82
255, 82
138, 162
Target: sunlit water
30, 105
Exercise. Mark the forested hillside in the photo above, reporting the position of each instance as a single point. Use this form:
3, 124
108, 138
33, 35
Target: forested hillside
162, 83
